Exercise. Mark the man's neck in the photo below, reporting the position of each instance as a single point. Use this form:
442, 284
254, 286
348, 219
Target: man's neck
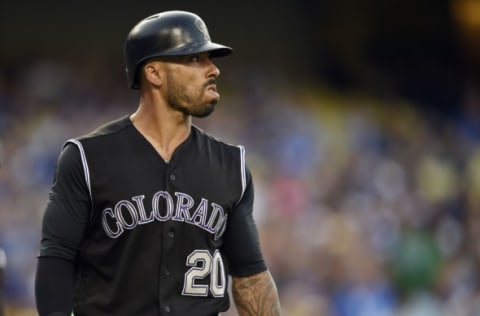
164, 128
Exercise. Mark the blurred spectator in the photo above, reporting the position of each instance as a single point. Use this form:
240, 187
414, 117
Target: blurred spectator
3, 264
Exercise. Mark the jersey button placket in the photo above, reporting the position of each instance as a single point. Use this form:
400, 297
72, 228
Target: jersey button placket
168, 240
171, 235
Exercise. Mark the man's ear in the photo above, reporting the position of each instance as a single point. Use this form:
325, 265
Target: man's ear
152, 73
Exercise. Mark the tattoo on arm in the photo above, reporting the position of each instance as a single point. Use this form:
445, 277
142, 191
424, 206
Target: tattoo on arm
256, 295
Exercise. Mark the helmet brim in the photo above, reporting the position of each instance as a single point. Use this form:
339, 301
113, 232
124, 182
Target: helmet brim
215, 50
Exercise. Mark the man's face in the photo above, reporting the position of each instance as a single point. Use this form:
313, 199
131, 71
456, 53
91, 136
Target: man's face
190, 84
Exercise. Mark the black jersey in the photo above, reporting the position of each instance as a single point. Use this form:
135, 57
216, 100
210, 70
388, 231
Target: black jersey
150, 237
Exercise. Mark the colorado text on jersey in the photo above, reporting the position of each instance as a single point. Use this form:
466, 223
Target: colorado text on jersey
126, 215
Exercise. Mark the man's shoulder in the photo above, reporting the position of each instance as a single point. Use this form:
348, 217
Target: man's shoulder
213, 147
111, 128
208, 139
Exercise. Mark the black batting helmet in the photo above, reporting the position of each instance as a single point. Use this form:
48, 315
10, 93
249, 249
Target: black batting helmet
170, 33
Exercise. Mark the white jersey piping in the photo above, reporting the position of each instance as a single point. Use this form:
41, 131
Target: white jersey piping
242, 171
86, 171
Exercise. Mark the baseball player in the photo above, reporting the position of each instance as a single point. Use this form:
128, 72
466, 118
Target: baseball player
148, 214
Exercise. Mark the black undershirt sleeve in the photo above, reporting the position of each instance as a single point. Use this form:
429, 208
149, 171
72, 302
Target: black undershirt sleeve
64, 222
241, 241
54, 286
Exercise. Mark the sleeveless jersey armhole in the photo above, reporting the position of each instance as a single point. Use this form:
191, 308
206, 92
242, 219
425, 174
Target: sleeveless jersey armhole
86, 171
243, 172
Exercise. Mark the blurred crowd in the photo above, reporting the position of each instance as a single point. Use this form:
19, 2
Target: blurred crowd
366, 206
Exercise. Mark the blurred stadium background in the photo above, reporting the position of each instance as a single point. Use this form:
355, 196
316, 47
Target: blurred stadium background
361, 121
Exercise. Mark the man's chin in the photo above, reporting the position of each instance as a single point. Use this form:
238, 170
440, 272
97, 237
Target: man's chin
204, 112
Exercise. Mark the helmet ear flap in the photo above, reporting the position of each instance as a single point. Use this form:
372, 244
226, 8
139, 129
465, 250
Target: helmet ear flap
136, 78
170, 33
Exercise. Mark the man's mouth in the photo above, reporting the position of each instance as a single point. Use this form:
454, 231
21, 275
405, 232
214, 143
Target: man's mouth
212, 86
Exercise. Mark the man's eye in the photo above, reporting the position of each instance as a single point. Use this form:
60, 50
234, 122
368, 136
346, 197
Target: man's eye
195, 58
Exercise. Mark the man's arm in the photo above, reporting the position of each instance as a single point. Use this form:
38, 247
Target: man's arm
64, 221
54, 286
256, 295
